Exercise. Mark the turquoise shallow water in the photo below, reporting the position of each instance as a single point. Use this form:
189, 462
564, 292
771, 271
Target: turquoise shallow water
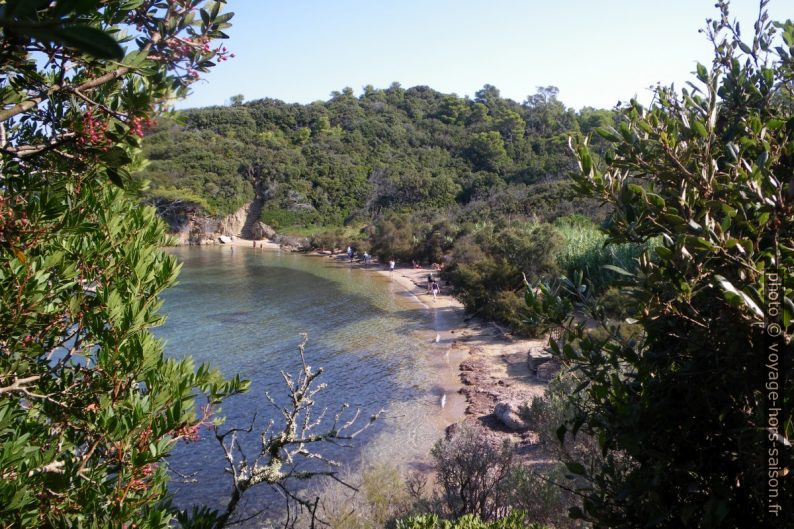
243, 310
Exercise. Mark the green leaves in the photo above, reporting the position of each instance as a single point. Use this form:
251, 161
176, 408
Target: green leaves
703, 171
99, 406
702, 73
86, 39
617, 270
699, 128
738, 298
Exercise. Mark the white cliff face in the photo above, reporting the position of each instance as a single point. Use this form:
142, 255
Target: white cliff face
189, 225
232, 225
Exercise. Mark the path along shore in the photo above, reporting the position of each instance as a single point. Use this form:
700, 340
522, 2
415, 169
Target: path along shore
490, 365
481, 365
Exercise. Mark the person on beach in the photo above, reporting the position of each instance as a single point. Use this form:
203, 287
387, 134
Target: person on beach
435, 289
429, 282
350, 253
391, 265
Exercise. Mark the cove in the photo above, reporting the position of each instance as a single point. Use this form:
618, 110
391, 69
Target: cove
242, 310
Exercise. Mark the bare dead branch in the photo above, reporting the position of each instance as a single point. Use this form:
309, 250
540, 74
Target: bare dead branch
281, 452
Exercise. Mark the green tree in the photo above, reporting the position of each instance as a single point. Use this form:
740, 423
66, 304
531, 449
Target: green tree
89, 406
487, 151
679, 412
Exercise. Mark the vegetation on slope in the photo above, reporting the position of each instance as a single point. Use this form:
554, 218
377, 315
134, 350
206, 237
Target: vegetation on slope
388, 150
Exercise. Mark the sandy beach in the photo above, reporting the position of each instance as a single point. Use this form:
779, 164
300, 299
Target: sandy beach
482, 364
490, 365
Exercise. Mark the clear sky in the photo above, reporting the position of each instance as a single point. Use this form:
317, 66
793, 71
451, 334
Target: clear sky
596, 52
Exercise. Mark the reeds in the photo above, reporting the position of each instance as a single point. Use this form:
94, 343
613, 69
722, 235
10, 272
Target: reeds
584, 249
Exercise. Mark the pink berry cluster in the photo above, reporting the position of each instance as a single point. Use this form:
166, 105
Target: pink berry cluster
94, 131
12, 225
138, 123
223, 54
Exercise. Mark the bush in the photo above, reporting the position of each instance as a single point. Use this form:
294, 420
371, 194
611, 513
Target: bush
586, 249
431, 521
680, 412
381, 499
90, 405
473, 474
394, 238
487, 269
283, 218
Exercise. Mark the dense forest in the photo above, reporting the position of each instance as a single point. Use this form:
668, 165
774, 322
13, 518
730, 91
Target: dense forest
356, 158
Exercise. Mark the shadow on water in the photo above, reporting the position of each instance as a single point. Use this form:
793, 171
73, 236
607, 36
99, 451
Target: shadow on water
243, 312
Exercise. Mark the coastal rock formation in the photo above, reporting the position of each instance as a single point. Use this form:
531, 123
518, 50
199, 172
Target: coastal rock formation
260, 230
289, 242
189, 224
507, 413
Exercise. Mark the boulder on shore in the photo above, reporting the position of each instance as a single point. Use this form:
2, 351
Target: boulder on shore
507, 414
260, 231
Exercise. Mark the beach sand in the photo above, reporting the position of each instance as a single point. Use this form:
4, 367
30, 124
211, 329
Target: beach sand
481, 365
488, 364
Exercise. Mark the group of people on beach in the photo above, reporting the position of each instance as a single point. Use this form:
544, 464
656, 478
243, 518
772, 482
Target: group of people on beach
366, 257
432, 285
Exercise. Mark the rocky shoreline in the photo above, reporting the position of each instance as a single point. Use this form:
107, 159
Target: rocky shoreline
490, 372
497, 372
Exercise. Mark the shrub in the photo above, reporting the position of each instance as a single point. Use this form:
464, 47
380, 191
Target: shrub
586, 249
680, 412
431, 521
394, 237
488, 268
90, 406
381, 499
473, 474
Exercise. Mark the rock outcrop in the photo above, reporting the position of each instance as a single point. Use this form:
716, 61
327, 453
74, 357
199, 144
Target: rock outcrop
259, 231
190, 225
507, 413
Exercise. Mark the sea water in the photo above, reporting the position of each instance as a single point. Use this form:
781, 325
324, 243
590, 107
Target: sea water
243, 311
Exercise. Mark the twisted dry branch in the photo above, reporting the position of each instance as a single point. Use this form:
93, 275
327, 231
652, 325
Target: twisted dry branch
281, 452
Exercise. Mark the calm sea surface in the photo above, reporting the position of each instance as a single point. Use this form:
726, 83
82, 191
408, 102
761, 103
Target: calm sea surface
242, 310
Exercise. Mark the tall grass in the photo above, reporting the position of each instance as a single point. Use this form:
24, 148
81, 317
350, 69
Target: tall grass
584, 250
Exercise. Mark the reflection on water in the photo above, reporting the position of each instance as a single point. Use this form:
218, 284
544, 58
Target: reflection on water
243, 311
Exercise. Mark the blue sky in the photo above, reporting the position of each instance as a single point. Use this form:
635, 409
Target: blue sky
596, 52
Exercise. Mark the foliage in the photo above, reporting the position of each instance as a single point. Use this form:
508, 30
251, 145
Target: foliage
387, 151
540, 492
585, 250
381, 499
473, 474
488, 268
431, 521
679, 411
89, 406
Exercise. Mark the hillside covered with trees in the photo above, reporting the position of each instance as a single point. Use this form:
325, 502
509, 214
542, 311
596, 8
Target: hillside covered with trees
410, 174
356, 158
